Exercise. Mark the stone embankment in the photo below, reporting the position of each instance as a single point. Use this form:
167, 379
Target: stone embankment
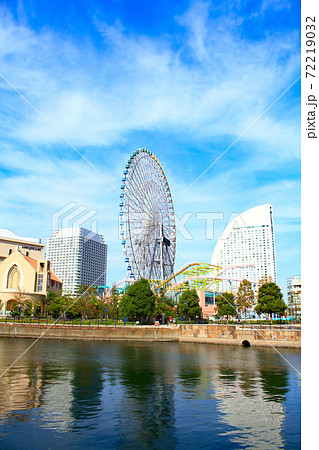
237, 335
210, 334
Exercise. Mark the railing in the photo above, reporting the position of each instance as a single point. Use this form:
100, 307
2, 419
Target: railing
47, 321
102, 322
281, 326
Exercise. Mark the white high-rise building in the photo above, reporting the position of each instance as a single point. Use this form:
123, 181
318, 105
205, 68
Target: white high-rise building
294, 295
78, 256
247, 248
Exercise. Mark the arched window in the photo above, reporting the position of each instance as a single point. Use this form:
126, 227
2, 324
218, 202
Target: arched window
13, 280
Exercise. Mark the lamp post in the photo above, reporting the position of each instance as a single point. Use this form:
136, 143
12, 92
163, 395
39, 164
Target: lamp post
117, 313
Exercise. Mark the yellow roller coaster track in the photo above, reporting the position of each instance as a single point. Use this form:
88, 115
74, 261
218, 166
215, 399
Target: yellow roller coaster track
191, 270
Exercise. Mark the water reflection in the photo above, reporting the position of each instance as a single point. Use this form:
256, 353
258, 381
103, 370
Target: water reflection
20, 390
194, 367
251, 397
148, 400
146, 395
87, 385
274, 376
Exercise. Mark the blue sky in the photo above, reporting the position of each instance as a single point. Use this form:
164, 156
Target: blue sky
183, 79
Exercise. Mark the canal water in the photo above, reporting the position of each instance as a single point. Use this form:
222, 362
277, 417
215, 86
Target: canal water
71, 394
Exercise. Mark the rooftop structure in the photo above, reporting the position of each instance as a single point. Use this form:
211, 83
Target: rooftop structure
9, 242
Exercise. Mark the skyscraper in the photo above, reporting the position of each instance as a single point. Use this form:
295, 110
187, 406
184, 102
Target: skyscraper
294, 295
78, 256
246, 248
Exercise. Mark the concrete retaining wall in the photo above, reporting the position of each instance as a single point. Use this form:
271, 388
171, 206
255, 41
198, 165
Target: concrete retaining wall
215, 334
234, 334
137, 333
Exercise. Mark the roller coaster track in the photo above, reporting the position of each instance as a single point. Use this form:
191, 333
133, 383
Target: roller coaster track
192, 275
200, 274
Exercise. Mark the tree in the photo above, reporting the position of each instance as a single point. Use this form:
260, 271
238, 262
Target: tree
50, 299
138, 301
188, 304
28, 308
265, 279
226, 305
14, 308
270, 299
164, 305
113, 303
245, 296
18, 304
38, 304
88, 303
56, 304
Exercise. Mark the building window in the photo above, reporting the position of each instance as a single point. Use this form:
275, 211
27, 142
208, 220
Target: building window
40, 282
13, 280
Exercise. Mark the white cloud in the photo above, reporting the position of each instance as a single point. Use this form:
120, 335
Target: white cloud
215, 83
275, 4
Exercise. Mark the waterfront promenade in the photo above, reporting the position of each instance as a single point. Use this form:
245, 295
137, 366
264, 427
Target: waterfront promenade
249, 335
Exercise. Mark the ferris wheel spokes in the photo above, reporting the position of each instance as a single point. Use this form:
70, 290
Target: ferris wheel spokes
147, 218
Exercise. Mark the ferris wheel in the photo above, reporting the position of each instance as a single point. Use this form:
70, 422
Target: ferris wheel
147, 222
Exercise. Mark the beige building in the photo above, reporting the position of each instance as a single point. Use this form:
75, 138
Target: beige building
24, 278
9, 242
